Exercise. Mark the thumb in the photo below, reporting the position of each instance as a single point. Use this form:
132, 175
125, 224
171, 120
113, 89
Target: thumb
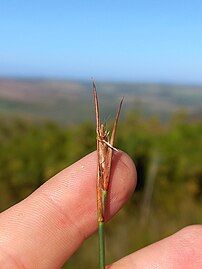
179, 251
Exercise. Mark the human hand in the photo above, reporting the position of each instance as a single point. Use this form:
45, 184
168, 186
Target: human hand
46, 228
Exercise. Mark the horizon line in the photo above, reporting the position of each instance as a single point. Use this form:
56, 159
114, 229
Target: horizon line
107, 80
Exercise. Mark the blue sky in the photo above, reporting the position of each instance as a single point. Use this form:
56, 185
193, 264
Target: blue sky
154, 41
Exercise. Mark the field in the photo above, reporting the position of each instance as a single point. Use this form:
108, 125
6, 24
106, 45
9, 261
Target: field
71, 101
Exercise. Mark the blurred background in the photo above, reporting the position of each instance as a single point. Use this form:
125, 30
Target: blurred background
147, 51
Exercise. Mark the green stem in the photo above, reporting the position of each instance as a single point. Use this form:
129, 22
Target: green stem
101, 232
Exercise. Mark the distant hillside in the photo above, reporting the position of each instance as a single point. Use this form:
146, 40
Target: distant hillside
71, 101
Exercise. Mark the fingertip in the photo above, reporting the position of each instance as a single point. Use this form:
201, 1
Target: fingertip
123, 182
130, 170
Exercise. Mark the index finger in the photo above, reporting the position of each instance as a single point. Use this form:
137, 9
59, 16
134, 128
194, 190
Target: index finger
45, 229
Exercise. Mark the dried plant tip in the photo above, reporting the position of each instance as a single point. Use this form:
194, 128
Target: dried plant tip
105, 148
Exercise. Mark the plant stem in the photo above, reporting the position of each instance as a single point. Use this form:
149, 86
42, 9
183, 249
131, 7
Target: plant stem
101, 232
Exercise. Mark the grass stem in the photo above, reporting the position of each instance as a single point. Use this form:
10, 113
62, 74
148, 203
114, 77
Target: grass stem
101, 232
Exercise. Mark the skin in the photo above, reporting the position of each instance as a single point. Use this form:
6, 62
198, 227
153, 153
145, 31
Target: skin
46, 228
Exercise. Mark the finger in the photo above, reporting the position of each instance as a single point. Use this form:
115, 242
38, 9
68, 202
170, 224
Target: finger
46, 228
179, 251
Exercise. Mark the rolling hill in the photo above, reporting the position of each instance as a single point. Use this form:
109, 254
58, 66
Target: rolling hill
71, 101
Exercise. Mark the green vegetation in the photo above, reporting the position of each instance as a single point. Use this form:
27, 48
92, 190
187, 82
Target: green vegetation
167, 156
